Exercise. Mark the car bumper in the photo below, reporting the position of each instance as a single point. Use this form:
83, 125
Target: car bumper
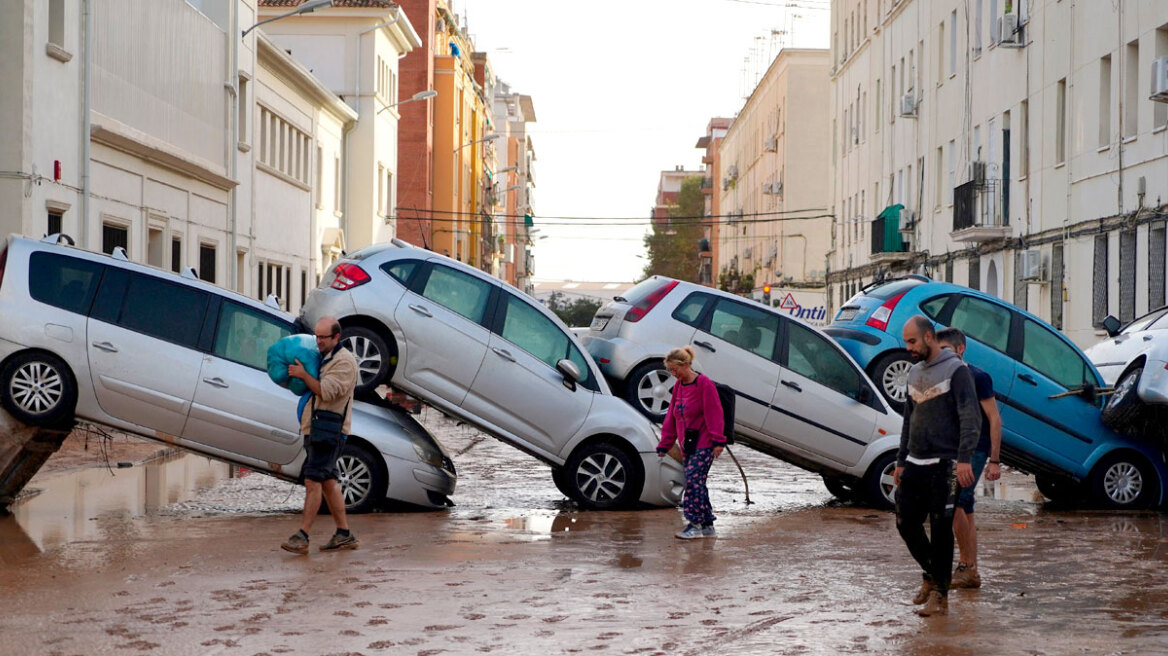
419, 484
616, 356
862, 343
664, 480
1154, 383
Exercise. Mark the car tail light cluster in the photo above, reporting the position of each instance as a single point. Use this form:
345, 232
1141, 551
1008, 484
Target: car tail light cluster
880, 316
348, 276
642, 308
3, 261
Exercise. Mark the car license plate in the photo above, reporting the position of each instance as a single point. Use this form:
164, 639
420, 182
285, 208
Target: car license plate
846, 314
599, 323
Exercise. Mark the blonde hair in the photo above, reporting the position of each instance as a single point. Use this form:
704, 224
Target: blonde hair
680, 355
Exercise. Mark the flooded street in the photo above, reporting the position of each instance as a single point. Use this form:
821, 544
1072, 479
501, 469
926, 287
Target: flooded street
187, 561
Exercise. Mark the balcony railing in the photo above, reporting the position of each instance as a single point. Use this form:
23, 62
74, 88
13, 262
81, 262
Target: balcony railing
978, 212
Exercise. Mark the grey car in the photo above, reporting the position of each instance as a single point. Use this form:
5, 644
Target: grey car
96, 338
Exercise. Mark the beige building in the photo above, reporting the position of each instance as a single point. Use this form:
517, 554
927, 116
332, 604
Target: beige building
774, 164
1025, 143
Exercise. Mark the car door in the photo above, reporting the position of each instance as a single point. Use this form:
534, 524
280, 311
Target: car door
237, 408
143, 335
817, 405
737, 345
443, 319
518, 388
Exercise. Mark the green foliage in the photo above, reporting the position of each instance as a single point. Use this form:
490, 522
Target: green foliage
577, 313
672, 247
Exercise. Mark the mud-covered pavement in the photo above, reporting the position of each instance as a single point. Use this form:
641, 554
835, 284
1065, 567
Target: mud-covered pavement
514, 569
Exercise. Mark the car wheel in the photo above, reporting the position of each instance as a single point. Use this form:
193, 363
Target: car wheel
1057, 488
1124, 480
559, 477
361, 477
879, 487
839, 488
649, 389
891, 375
602, 476
375, 359
38, 389
1124, 411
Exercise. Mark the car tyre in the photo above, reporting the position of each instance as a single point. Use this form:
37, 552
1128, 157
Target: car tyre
38, 390
649, 389
1058, 489
603, 476
1123, 481
362, 478
840, 488
1124, 411
879, 488
375, 359
890, 373
559, 477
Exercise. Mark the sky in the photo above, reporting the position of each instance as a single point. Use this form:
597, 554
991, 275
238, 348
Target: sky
622, 90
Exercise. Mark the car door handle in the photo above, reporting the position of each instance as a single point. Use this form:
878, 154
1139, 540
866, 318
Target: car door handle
421, 309
503, 353
792, 385
1027, 378
216, 382
105, 346
1147, 338
706, 345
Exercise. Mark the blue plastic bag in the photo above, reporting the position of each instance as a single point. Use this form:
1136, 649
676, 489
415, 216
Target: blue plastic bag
287, 351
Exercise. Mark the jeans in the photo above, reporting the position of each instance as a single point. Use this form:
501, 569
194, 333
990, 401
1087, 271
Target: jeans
929, 492
696, 504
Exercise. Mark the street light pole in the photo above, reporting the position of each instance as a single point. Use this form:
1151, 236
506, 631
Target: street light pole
421, 95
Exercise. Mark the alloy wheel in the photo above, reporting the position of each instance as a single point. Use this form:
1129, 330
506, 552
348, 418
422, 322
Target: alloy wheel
36, 387
1125, 386
654, 390
355, 478
601, 477
367, 354
1123, 482
888, 482
895, 380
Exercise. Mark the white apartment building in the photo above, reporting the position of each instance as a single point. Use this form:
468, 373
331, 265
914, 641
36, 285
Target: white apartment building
1010, 145
511, 112
774, 160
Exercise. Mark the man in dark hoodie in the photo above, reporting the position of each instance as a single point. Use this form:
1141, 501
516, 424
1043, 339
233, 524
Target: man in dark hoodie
942, 421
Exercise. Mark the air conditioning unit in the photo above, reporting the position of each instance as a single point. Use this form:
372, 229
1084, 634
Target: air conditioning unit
772, 187
1032, 266
908, 105
1009, 34
725, 184
746, 253
1160, 79
732, 171
777, 188
979, 173
771, 144
509, 254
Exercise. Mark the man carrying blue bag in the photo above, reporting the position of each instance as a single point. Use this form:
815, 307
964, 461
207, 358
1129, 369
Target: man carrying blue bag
324, 422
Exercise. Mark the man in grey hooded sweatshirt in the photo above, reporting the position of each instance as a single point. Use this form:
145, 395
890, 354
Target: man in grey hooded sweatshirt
942, 422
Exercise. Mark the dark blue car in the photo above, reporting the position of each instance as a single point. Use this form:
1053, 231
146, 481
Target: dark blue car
1061, 440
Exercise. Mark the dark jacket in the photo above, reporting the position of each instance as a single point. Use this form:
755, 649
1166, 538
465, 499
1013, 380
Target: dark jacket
942, 417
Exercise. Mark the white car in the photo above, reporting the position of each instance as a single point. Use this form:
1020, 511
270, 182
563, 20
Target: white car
1134, 359
801, 397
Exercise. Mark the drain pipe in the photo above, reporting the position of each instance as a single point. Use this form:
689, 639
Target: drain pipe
86, 101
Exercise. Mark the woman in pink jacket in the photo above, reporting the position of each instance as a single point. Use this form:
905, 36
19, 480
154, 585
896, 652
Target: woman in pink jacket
695, 414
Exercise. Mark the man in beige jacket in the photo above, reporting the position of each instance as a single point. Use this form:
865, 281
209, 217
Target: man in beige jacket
333, 392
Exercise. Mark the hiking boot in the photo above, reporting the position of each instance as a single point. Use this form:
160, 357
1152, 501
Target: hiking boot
338, 542
965, 577
923, 594
937, 605
297, 544
690, 532
709, 532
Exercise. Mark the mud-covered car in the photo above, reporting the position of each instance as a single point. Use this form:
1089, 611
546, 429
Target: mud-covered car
92, 337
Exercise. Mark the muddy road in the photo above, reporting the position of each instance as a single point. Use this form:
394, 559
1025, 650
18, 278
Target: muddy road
185, 561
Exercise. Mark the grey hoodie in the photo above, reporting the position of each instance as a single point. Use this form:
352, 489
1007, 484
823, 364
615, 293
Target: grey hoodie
942, 417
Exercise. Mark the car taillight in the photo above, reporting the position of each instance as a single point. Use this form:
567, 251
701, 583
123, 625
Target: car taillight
348, 276
879, 318
639, 310
3, 261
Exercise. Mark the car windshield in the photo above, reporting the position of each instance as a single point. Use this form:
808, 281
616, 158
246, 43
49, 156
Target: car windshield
893, 288
1146, 322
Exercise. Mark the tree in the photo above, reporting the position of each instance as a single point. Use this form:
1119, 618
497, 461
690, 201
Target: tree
577, 313
673, 245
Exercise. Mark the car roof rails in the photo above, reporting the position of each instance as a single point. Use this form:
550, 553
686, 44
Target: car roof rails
273, 302
57, 238
190, 272
119, 253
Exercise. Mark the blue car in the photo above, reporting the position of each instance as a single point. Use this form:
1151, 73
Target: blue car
1046, 387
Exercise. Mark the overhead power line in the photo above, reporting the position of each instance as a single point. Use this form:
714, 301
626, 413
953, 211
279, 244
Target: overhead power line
452, 216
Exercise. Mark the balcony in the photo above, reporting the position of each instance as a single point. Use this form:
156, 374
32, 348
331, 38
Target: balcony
977, 212
887, 244
707, 185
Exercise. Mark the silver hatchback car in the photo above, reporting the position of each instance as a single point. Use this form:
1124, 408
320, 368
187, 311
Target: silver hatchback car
97, 338
482, 351
801, 398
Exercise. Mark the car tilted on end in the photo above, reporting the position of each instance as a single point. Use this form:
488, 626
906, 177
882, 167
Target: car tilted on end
800, 397
97, 338
484, 352
1134, 358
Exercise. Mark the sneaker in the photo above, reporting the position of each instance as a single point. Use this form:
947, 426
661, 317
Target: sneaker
965, 577
937, 605
690, 532
709, 532
923, 594
338, 542
297, 544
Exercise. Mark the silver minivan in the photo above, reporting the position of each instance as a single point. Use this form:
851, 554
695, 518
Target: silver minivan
97, 338
801, 397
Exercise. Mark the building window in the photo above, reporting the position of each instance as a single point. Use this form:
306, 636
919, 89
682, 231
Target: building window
244, 111
975, 273
1099, 284
1056, 286
274, 278
953, 43
1156, 273
1131, 100
941, 53
55, 221
1060, 122
154, 247
112, 236
319, 178
337, 184
1159, 109
283, 147
1024, 155
1105, 101
1127, 275
176, 254
207, 262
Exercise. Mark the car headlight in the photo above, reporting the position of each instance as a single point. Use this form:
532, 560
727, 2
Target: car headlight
428, 454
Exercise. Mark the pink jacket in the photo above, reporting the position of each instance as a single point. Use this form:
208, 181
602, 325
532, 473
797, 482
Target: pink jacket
695, 405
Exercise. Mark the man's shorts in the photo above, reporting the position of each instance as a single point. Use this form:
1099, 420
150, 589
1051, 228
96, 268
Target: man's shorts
965, 498
321, 463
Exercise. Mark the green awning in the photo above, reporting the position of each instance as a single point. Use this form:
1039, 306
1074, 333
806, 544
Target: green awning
892, 240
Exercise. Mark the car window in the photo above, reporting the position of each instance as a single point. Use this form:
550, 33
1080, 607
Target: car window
527, 328
746, 327
401, 270
691, 308
164, 310
63, 281
243, 335
1150, 321
1043, 351
892, 288
812, 356
933, 306
458, 291
986, 322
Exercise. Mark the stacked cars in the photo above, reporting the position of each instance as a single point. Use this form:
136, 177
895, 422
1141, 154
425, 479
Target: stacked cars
1134, 359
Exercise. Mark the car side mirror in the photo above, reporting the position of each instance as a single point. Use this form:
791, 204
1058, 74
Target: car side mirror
1111, 325
570, 371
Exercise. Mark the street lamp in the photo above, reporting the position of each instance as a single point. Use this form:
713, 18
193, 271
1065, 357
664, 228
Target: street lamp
421, 95
489, 137
306, 8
